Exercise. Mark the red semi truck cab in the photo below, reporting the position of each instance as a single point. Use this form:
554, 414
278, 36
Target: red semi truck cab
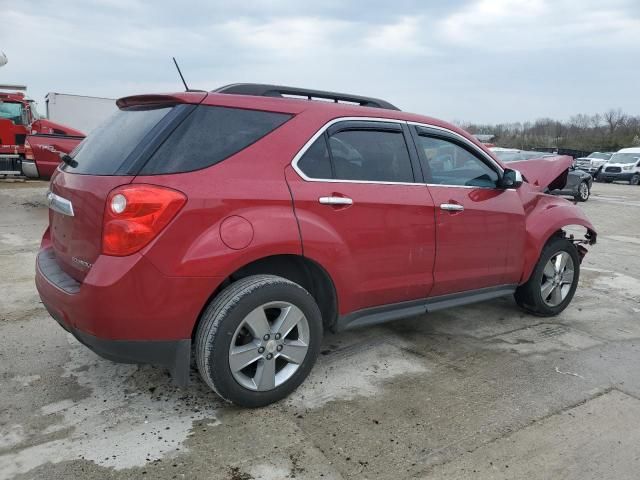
36, 156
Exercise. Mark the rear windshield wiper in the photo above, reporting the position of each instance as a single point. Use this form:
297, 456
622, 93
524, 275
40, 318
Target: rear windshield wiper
68, 159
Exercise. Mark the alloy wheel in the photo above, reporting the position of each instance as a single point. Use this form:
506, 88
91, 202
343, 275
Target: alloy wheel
269, 346
583, 191
557, 279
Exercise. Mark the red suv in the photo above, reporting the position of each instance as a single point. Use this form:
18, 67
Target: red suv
240, 224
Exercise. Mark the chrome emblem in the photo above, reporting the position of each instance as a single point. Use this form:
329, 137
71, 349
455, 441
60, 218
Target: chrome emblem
81, 262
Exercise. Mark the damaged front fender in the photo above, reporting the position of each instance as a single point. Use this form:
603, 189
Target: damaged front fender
546, 216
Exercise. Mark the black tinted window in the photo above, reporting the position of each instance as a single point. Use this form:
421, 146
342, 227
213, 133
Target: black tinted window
371, 155
450, 164
208, 136
109, 145
315, 162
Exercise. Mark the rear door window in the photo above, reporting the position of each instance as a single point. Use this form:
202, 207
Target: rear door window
208, 136
107, 148
371, 155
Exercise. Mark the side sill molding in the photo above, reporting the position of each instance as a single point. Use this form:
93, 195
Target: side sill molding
464, 298
386, 313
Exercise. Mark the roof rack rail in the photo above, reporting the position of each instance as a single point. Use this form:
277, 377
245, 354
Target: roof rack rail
263, 90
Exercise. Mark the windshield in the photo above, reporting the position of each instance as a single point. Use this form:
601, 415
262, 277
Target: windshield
601, 156
625, 157
11, 111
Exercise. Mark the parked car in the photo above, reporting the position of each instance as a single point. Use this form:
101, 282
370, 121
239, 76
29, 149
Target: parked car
624, 165
592, 163
239, 225
578, 184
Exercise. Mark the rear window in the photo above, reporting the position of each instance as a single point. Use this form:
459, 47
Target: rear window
109, 145
208, 136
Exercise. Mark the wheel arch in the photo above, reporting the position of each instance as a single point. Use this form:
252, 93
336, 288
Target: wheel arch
549, 220
299, 269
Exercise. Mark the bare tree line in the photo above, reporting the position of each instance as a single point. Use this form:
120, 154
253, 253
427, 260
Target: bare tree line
608, 131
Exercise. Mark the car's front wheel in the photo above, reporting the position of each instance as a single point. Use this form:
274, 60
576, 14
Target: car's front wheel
583, 193
635, 179
258, 340
554, 280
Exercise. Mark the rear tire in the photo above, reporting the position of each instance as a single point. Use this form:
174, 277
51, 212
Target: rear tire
554, 280
258, 340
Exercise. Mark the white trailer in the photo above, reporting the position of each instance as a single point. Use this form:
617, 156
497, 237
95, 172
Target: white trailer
78, 111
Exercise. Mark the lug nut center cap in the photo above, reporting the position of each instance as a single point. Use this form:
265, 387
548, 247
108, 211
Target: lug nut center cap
271, 346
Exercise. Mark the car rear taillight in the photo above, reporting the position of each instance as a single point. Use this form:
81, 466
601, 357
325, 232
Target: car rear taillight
28, 151
135, 214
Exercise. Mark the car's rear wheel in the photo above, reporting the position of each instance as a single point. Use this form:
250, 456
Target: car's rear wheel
583, 192
258, 340
635, 179
554, 280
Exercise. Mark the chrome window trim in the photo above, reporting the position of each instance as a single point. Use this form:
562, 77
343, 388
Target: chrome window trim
446, 185
306, 146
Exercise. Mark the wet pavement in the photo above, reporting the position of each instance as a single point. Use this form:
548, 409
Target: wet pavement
483, 391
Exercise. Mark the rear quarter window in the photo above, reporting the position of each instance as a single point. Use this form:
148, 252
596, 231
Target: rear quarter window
208, 136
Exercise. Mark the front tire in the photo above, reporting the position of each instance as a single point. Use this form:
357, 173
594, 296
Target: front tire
583, 192
258, 340
554, 280
635, 179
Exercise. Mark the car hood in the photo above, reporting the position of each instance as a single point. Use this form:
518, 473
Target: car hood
544, 173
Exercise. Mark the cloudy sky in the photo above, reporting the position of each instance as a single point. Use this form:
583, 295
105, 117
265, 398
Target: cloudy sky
464, 60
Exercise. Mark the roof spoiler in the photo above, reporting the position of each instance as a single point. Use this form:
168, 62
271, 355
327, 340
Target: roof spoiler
160, 99
264, 90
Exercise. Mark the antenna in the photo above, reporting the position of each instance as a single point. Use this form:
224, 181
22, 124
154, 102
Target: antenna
186, 88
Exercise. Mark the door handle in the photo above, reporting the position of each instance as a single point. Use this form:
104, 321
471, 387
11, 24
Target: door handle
335, 201
451, 207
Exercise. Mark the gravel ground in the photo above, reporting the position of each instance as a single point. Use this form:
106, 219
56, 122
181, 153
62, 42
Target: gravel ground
476, 392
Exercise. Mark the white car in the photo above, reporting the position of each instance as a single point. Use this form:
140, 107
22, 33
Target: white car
623, 165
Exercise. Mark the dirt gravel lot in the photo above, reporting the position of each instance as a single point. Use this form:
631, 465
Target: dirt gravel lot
477, 392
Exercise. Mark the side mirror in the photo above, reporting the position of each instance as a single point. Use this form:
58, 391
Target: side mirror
511, 179
26, 116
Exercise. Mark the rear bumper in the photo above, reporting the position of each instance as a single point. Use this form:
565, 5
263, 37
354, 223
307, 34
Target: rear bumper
125, 310
174, 355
